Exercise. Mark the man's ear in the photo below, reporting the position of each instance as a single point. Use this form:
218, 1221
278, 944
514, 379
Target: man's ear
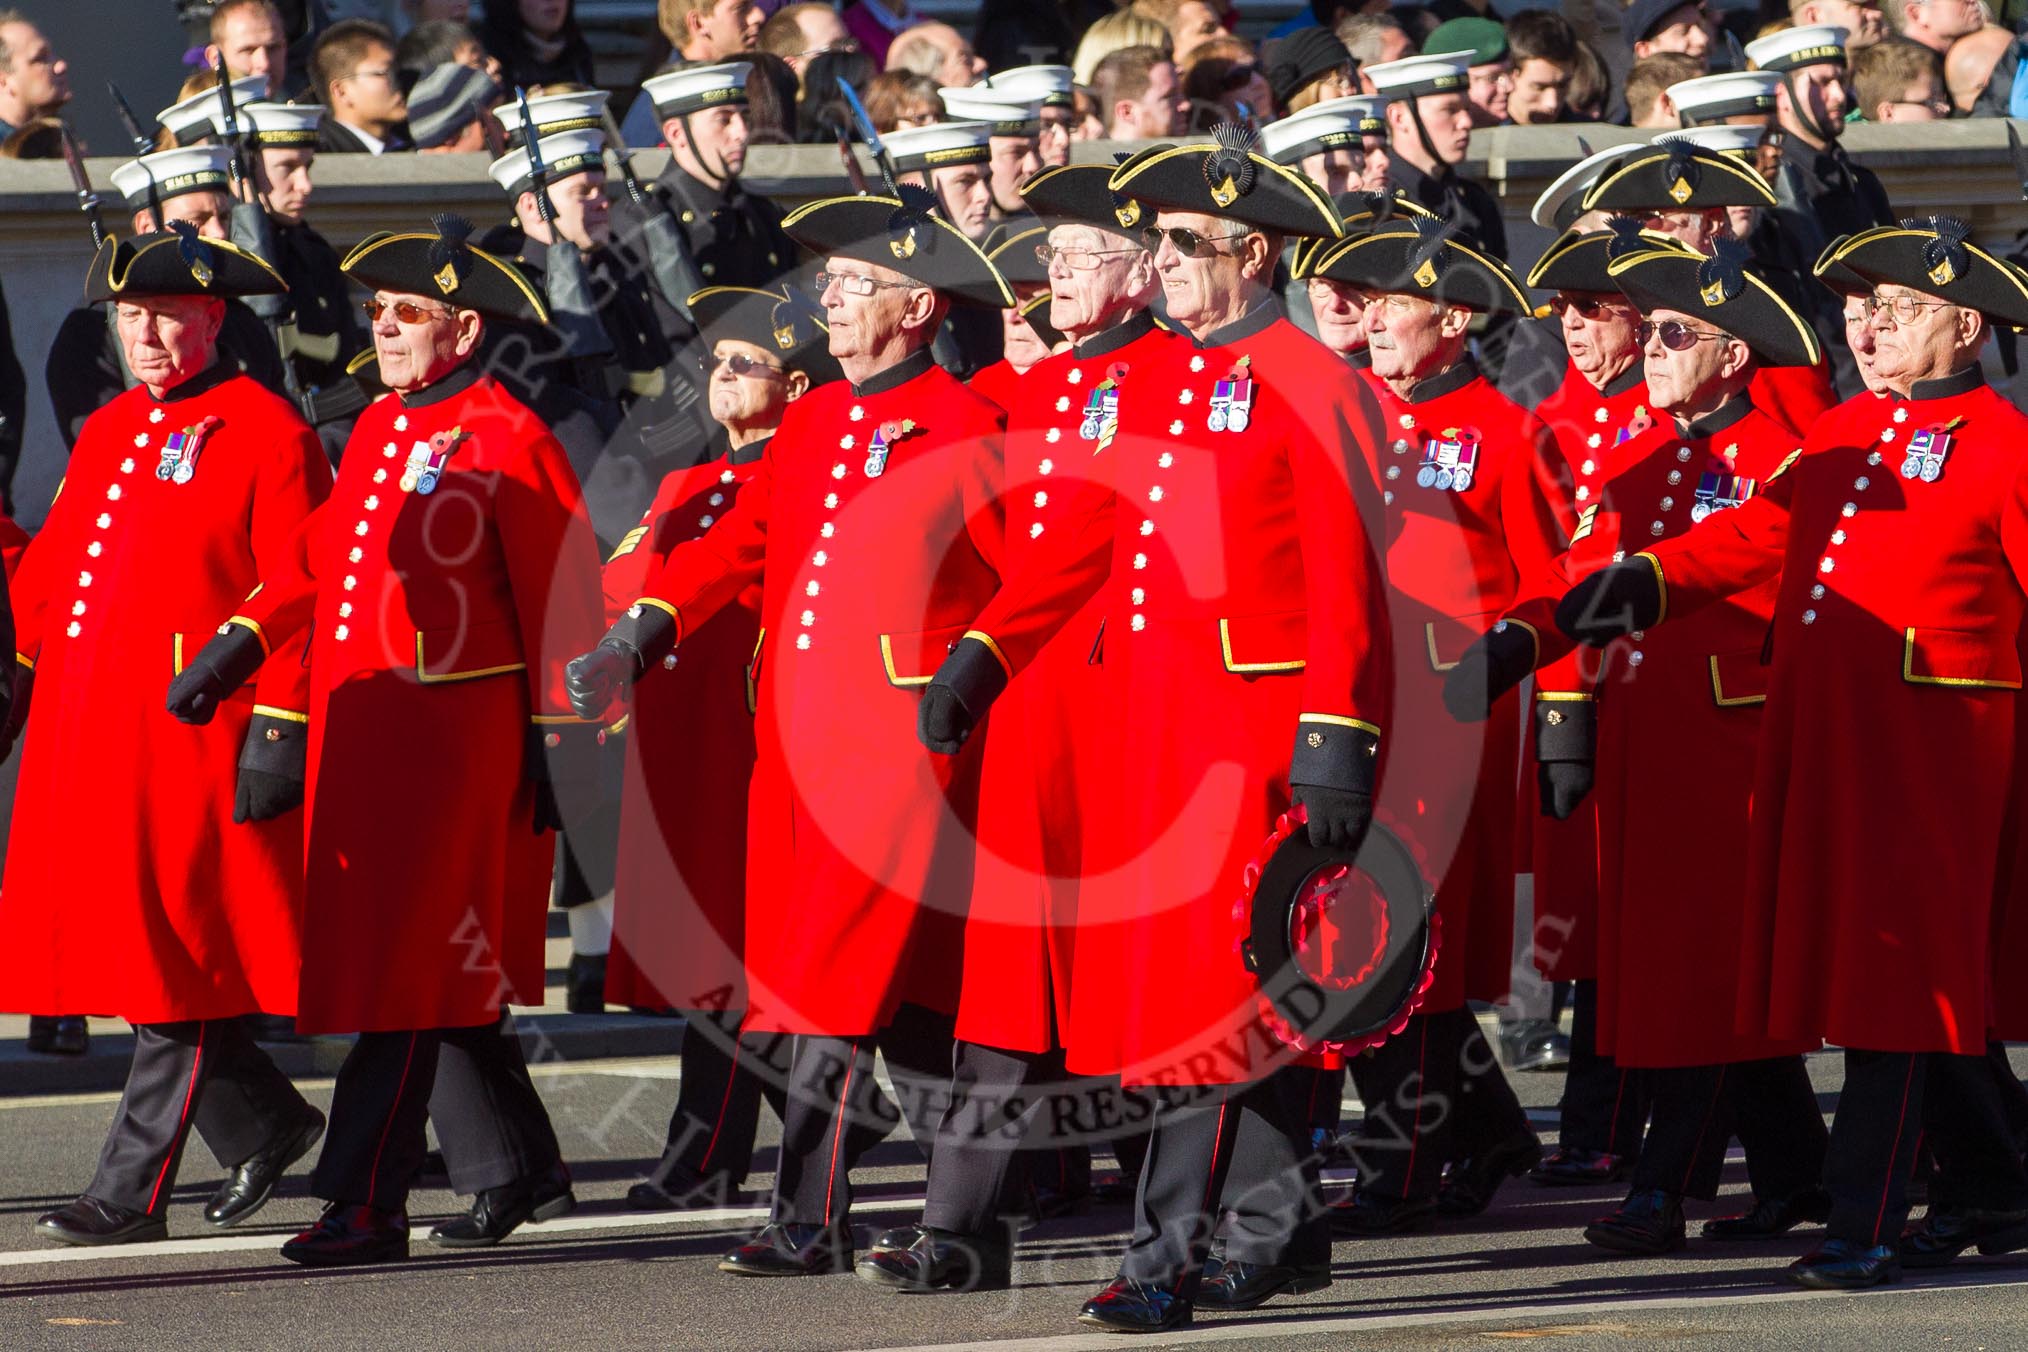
1259, 256
471, 327
672, 127
1738, 356
1455, 320
798, 385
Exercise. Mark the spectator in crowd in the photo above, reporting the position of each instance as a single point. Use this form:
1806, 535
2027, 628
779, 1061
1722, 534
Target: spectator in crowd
772, 88
1309, 66
938, 51
1648, 82
34, 80
798, 32
448, 106
1492, 75
1139, 95
439, 42
1086, 123
1684, 26
901, 98
1936, 24
1373, 39
1543, 48
1862, 20
706, 32
878, 23
822, 113
1191, 23
247, 35
1590, 91
1225, 83
1895, 80
352, 69
537, 42
41, 139
1975, 62
1013, 33
1121, 28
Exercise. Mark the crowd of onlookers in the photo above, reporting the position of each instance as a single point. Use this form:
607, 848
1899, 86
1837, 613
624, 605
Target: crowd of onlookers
426, 78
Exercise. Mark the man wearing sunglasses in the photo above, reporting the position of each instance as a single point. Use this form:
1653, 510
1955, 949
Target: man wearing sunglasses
1041, 807
1898, 535
1707, 323
443, 584
352, 70
875, 528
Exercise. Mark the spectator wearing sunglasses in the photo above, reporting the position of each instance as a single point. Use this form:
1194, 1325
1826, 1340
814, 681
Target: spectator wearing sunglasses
353, 71
1896, 80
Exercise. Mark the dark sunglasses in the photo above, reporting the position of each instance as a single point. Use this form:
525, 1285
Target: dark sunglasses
1676, 335
1587, 307
743, 365
1237, 76
407, 311
1188, 243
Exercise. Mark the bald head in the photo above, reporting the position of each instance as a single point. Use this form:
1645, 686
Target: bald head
938, 51
1969, 64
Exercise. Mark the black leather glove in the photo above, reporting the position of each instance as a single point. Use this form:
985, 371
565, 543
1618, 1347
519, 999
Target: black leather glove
1563, 785
563, 760
958, 696
1497, 661
1612, 603
272, 766
1565, 746
1339, 818
645, 634
220, 667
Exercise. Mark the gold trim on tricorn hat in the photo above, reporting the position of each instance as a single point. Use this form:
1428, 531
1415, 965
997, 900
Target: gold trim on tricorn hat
1360, 211
787, 323
904, 234
1935, 255
1082, 194
442, 264
1229, 178
1676, 175
178, 262
1423, 257
1577, 261
1722, 291
1011, 249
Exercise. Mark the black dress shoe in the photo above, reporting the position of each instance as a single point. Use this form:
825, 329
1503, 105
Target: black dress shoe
1647, 1223
584, 984
498, 1212
1111, 1186
1947, 1232
1243, 1286
1371, 1213
1841, 1265
900, 1237
1569, 1167
791, 1251
1469, 1186
1130, 1306
59, 1034
1534, 1044
1773, 1219
90, 1221
939, 1259
250, 1183
347, 1235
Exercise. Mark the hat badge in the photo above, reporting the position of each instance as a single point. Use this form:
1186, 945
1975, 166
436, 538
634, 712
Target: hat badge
903, 247
1425, 274
1225, 192
1943, 274
446, 278
1712, 293
1128, 214
785, 337
200, 270
1680, 190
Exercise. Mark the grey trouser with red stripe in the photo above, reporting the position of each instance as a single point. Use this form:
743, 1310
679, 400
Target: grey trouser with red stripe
208, 1074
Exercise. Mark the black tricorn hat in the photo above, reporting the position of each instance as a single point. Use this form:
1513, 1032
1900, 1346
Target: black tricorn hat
443, 265
787, 323
1082, 193
178, 262
905, 234
1935, 255
1577, 260
1675, 175
1723, 292
1423, 257
1832, 272
1228, 178
1036, 311
1010, 249
1360, 211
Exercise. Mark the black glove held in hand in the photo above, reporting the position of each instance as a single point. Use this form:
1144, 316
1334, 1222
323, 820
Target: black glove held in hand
1565, 741
272, 766
957, 698
1563, 785
1497, 661
221, 667
1338, 817
1612, 603
645, 634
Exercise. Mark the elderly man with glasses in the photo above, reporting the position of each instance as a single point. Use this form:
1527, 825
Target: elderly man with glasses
1901, 537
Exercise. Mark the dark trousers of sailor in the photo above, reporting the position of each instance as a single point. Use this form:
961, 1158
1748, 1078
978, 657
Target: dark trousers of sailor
725, 1077
1768, 1104
2013, 1094
473, 1083
836, 1112
1433, 1093
208, 1074
1237, 1149
1892, 1100
1604, 1105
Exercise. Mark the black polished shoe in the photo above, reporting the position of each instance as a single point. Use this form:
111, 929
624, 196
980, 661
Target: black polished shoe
1647, 1223
900, 1237
1238, 1285
791, 1251
1569, 1167
1534, 1044
90, 1221
59, 1034
348, 1235
1369, 1214
940, 1259
498, 1212
584, 984
1469, 1186
1841, 1265
1130, 1306
250, 1183
1772, 1219
1946, 1232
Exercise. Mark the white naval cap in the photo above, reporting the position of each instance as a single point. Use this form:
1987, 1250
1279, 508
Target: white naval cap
1011, 112
281, 124
1050, 84
1810, 45
579, 110
1330, 125
695, 88
1414, 76
172, 172
1725, 140
564, 154
200, 115
1559, 205
1710, 98
939, 145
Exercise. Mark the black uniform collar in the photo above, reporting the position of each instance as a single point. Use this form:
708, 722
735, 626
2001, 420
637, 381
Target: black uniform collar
903, 371
1720, 418
457, 381
1360, 359
210, 378
1447, 381
1956, 383
1626, 380
747, 454
1246, 326
1424, 188
1137, 325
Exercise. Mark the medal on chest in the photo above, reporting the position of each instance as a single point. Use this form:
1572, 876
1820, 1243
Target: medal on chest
1232, 399
1720, 489
1926, 452
1450, 461
180, 452
884, 438
1101, 419
424, 469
